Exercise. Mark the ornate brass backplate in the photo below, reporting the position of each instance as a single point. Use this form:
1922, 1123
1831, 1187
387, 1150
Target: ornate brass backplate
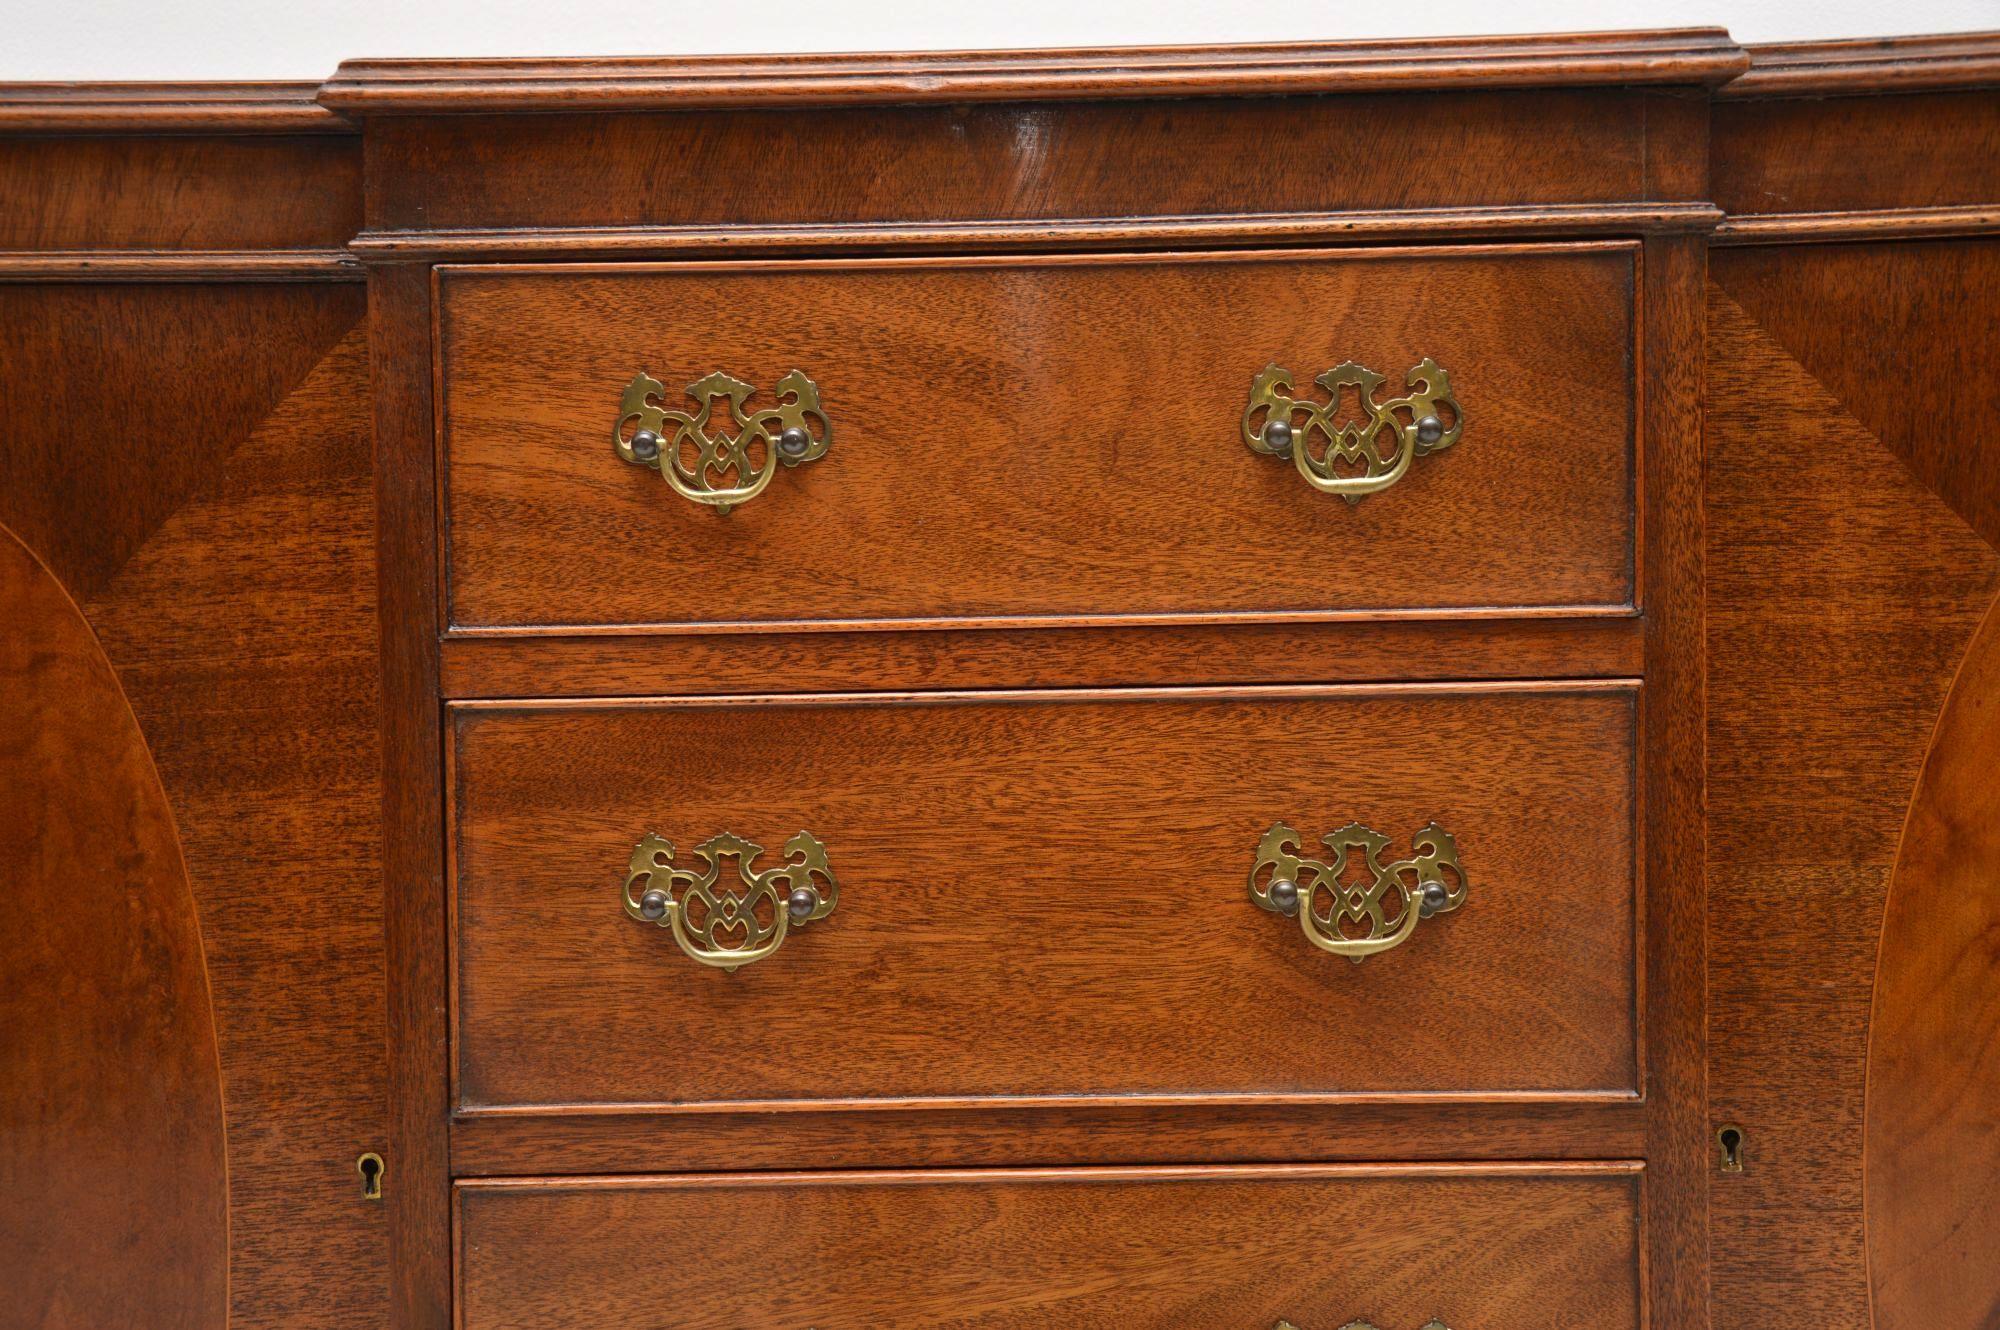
1359, 457
722, 925
1370, 906
720, 457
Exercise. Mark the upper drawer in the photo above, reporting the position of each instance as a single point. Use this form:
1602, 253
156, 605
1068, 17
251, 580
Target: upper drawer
1040, 438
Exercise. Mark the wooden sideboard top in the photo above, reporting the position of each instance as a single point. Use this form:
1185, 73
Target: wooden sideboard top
1702, 56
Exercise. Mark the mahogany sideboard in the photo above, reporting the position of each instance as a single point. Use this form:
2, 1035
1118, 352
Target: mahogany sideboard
1318, 686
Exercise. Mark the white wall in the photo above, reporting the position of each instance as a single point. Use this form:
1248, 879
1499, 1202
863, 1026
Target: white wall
305, 39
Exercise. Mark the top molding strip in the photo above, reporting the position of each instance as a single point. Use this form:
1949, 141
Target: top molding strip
1694, 56
166, 108
1859, 68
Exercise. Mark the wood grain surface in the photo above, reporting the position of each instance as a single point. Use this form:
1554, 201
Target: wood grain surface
114, 1186
1348, 651
1039, 438
454, 86
1857, 154
1931, 1153
178, 192
1046, 896
1841, 596
220, 541
1521, 1248
1095, 161
1856, 317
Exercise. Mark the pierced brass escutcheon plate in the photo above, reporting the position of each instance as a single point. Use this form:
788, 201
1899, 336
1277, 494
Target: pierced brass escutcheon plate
720, 458
727, 927
1354, 458
1371, 911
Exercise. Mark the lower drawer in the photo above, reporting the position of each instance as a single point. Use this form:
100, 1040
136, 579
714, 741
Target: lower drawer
1497, 1247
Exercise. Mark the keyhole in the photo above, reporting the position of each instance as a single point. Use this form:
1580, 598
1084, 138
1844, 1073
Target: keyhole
370, 1167
1730, 1138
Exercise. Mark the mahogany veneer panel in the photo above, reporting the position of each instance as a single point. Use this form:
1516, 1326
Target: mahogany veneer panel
112, 1158
1083, 160
1847, 154
1039, 438
1044, 895
1530, 1247
167, 192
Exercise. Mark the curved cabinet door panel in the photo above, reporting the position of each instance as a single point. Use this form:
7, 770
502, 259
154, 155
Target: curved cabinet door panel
113, 1192
1932, 1146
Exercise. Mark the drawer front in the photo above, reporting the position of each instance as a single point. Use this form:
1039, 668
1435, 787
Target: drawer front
1040, 438
1047, 896
1318, 1248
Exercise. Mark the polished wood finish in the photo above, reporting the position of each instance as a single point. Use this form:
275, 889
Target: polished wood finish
1071, 448
1099, 1248
987, 1134
1812, 522
76, 195
1848, 312
1799, 159
1687, 57
1342, 651
1064, 915
399, 324
1109, 164
218, 540
166, 108
1932, 1144
1841, 598
1673, 762
112, 1156
1869, 66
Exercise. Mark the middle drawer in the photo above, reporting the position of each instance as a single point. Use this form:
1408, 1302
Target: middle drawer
1047, 896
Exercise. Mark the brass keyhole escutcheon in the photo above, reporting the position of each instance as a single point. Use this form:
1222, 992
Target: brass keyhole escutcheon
1729, 1139
371, 1169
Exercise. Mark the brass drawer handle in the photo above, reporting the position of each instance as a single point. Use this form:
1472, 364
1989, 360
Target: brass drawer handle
722, 926
720, 458
1353, 458
1378, 910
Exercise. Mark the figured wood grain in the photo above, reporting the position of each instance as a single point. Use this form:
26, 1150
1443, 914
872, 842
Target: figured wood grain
1857, 154
1129, 1131
1841, 596
86, 487
399, 328
1931, 1152
1045, 896
220, 541
1058, 161
1853, 315
178, 193
1345, 652
114, 1192
1674, 758
242, 631
1039, 438
1098, 1249
432, 87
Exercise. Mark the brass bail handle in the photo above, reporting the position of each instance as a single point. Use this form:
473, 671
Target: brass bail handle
729, 925
725, 456
1360, 457
1366, 912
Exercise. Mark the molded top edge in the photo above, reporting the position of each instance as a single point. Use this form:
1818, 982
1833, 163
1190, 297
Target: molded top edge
1695, 56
